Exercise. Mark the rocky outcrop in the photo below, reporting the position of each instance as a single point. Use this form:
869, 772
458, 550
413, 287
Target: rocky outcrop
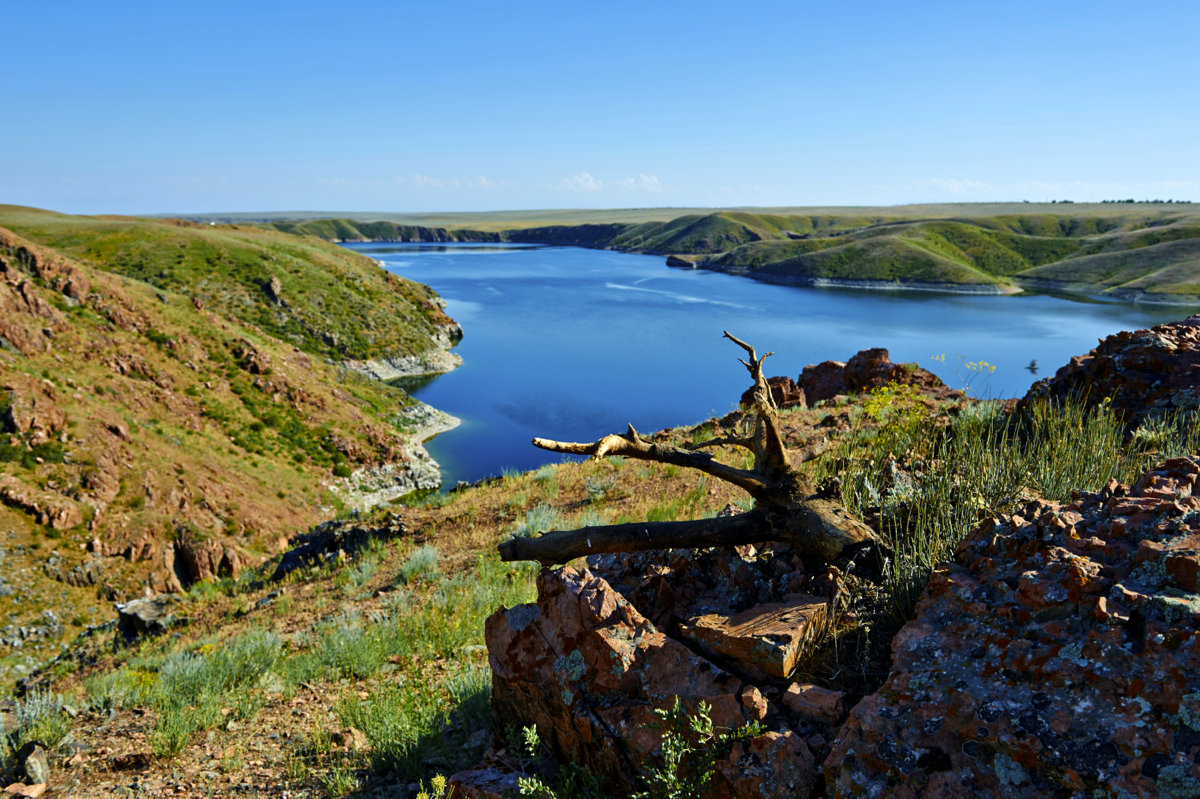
823, 381
864, 371
784, 390
872, 368
48, 508
1055, 656
431, 362
335, 539
147, 616
588, 670
1142, 374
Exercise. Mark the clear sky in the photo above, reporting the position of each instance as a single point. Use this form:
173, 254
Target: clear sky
175, 106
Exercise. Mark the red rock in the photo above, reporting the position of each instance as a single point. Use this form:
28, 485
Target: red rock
823, 381
1142, 374
1040, 663
813, 702
872, 368
764, 640
784, 391
588, 670
48, 508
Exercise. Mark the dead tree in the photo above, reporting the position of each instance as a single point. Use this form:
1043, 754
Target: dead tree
787, 505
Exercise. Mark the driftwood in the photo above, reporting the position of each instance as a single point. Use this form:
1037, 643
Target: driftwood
787, 506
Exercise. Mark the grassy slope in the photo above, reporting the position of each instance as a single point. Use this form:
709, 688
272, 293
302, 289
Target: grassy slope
177, 419
336, 303
1127, 250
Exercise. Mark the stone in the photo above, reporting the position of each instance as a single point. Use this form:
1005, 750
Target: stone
26, 791
482, 783
34, 764
146, 616
587, 669
1141, 374
765, 640
872, 368
46, 507
1055, 655
822, 705
823, 381
784, 391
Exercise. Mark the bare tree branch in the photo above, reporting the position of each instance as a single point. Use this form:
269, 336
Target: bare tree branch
749, 481
788, 506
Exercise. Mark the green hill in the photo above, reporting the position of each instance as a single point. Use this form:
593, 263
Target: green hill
1142, 251
329, 301
166, 414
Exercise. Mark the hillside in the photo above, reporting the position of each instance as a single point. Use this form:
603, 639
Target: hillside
394, 660
1129, 251
172, 406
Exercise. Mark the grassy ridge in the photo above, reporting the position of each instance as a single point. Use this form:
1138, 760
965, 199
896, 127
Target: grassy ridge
1128, 250
331, 302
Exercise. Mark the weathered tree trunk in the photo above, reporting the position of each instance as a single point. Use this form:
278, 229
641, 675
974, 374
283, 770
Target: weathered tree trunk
787, 507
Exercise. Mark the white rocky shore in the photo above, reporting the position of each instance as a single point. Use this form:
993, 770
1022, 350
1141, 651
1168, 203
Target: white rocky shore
376, 485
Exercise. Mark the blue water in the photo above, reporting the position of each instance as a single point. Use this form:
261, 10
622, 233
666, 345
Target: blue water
572, 344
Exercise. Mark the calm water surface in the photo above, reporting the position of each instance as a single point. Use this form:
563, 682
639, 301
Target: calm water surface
572, 344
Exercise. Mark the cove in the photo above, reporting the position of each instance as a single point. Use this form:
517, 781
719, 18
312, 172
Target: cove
572, 344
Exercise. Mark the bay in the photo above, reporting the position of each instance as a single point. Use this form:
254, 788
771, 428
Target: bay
572, 344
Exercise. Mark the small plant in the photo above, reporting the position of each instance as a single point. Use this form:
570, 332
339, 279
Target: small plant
436, 789
970, 374
537, 520
598, 487
42, 717
422, 564
690, 748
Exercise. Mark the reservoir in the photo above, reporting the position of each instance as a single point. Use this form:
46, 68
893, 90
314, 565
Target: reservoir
573, 344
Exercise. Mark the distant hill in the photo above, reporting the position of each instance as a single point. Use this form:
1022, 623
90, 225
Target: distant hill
172, 403
1132, 251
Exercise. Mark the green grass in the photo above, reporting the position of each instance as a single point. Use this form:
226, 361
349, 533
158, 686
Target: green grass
1142, 248
336, 303
984, 462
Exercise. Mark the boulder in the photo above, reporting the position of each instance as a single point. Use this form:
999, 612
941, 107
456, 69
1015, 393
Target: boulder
1142, 374
1056, 655
588, 670
334, 539
784, 391
33, 763
483, 783
873, 368
765, 640
823, 381
146, 616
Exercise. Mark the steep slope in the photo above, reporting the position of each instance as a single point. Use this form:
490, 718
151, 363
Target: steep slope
151, 434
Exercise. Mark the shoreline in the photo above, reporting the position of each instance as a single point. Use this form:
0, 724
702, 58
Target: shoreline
684, 261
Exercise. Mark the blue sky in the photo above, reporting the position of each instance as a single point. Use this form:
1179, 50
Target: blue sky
136, 107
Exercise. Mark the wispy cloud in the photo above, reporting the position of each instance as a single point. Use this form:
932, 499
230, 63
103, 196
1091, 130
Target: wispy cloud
641, 182
583, 181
